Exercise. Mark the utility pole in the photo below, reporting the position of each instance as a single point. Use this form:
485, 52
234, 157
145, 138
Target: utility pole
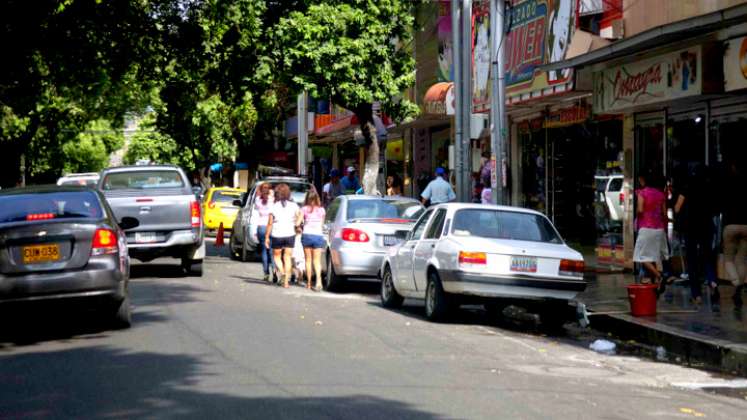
498, 125
303, 133
461, 23
458, 97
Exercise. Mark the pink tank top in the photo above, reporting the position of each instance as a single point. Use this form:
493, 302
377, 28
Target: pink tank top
651, 217
313, 219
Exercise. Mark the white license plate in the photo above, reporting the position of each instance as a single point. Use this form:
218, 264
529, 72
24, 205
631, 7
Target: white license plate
145, 237
524, 264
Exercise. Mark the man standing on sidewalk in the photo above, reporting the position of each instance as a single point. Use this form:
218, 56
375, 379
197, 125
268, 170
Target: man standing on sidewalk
439, 190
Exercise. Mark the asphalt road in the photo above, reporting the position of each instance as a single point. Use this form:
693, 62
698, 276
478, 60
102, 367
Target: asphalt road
230, 346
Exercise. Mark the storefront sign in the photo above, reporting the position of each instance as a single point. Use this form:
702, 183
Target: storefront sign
568, 116
439, 99
480, 57
669, 76
540, 33
735, 64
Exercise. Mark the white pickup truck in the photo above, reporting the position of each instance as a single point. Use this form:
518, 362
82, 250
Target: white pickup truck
161, 199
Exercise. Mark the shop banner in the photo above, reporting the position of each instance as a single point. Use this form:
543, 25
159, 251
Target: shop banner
480, 57
670, 76
567, 116
735, 64
541, 32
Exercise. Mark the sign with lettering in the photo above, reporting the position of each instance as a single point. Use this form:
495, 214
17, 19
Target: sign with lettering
735, 64
567, 116
541, 32
674, 75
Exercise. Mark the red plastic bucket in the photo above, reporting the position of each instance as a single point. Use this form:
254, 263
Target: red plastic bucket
642, 299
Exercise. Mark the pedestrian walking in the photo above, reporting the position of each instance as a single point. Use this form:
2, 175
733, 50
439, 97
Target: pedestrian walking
313, 237
332, 189
281, 231
393, 185
651, 245
350, 182
263, 205
735, 235
696, 206
439, 190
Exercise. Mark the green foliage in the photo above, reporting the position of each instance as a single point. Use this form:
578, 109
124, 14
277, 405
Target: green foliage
89, 151
355, 52
149, 144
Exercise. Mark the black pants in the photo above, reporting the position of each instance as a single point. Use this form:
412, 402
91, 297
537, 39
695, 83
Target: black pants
701, 259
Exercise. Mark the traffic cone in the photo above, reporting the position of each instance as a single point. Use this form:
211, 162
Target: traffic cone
219, 237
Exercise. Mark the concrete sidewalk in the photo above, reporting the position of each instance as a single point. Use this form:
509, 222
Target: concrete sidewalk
700, 336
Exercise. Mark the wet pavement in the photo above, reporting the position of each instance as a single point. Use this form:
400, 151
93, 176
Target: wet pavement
719, 326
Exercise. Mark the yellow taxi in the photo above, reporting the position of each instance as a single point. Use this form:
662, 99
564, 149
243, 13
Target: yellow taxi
218, 207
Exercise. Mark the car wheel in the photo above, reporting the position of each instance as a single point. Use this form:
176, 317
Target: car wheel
123, 314
389, 296
334, 282
192, 267
232, 249
437, 305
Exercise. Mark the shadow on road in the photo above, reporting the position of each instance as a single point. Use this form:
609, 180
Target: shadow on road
82, 319
102, 382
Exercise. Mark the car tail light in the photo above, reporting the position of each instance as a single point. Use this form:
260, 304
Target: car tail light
622, 198
354, 235
104, 242
472, 257
195, 213
573, 268
39, 216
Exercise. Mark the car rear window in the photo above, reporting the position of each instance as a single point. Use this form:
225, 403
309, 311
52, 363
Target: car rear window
52, 205
88, 182
407, 210
142, 180
616, 184
298, 190
500, 224
225, 196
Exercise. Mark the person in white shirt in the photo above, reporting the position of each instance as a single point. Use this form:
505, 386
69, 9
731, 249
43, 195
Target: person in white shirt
285, 217
439, 190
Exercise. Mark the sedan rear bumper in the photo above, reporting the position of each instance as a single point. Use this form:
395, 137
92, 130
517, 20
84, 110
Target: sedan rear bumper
98, 278
357, 262
459, 282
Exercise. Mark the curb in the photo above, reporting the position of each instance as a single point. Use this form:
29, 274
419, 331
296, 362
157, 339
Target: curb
687, 347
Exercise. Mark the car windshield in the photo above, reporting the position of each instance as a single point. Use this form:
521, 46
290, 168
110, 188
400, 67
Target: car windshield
500, 224
404, 210
225, 196
51, 205
142, 180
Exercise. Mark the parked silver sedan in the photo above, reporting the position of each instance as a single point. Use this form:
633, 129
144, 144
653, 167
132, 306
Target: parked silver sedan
474, 253
360, 229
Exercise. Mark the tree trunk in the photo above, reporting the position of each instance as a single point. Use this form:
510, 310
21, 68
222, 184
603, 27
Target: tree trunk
368, 129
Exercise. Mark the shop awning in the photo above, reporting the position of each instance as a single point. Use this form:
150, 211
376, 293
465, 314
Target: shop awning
656, 37
439, 99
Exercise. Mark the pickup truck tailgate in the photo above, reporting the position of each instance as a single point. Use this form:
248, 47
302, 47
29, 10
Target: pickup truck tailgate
161, 210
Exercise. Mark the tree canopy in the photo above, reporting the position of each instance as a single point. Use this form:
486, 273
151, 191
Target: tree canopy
215, 73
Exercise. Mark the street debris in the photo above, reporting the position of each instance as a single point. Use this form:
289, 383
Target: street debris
603, 346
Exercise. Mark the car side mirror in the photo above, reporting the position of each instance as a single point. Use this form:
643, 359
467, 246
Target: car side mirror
402, 234
128, 223
236, 203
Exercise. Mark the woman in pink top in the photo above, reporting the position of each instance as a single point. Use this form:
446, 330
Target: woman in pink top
263, 205
313, 237
651, 245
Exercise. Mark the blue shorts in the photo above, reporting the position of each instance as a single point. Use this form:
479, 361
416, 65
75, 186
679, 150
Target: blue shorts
312, 241
281, 243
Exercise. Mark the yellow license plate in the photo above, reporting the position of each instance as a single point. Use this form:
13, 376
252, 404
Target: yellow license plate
40, 253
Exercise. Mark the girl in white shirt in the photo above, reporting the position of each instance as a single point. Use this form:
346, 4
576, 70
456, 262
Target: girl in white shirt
281, 230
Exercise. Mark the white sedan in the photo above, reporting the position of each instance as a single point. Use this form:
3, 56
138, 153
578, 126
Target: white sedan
460, 253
